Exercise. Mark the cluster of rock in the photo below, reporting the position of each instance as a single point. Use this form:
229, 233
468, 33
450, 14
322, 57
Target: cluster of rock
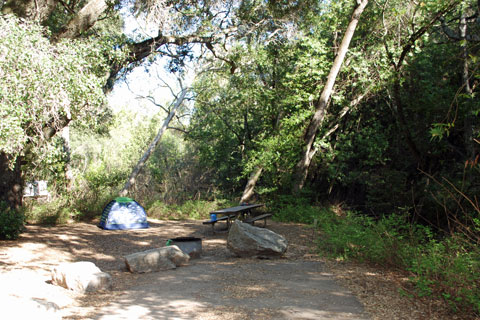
84, 276
244, 240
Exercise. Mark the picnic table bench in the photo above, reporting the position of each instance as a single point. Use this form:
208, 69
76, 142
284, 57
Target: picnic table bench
264, 216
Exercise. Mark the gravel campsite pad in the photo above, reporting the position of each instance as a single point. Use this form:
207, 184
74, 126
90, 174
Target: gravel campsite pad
301, 285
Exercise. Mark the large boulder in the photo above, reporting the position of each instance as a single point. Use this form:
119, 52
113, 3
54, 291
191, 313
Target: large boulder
81, 277
158, 259
248, 241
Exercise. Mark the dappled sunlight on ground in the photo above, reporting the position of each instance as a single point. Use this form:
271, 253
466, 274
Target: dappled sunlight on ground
217, 286
27, 263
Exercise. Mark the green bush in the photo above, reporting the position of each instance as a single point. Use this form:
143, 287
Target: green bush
57, 211
448, 268
11, 222
293, 209
191, 209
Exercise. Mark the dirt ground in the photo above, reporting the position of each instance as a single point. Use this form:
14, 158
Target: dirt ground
25, 267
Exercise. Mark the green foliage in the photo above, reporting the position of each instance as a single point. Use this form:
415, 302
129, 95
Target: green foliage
361, 237
42, 85
192, 209
450, 268
447, 267
290, 208
103, 161
54, 212
11, 222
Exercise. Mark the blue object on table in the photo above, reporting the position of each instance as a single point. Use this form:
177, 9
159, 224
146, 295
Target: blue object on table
213, 216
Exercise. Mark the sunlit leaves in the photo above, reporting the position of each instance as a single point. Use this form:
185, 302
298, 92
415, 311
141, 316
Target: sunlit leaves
40, 84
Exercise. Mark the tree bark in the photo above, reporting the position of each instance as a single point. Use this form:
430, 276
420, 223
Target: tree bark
11, 183
141, 163
36, 10
83, 20
141, 50
301, 169
468, 122
68, 165
250, 186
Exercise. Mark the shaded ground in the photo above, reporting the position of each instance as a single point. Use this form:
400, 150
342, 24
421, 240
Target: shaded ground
218, 286
237, 290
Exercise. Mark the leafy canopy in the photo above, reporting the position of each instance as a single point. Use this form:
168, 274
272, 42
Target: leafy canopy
43, 86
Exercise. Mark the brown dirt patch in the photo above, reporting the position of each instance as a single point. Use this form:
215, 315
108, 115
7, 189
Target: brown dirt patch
26, 265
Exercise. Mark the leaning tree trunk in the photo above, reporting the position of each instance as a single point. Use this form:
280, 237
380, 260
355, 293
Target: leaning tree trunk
11, 184
141, 163
252, 181
301, 169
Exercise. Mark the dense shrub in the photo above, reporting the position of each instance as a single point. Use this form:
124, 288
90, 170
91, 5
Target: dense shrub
447, 267
11, 222
56, 211
293, 209
192, 209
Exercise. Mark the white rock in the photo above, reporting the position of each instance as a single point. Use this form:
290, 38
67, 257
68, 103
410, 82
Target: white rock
158, 259
248, 241
81, 277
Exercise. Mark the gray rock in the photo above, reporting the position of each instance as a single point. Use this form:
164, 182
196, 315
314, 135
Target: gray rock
81, 277
248, 241
158, 259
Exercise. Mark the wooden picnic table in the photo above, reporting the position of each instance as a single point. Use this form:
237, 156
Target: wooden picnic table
241, 212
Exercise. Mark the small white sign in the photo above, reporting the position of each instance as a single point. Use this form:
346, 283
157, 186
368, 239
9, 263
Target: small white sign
36, 189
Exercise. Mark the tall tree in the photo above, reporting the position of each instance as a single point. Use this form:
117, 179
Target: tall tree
397, 59
207, 22
141, 163
44, 87
321, 105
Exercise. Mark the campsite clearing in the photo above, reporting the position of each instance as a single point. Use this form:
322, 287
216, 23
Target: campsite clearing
26, 264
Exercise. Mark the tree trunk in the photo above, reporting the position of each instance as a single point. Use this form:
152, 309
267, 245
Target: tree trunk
36, 10
468, 123
83, 20
11, 184
141, 163
402, 122
301, 169
252, 181
68, 165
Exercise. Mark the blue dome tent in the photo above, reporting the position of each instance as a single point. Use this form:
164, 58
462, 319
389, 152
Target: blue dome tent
123, 213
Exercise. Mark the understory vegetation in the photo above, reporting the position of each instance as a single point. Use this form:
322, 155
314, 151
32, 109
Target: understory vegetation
439, 265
